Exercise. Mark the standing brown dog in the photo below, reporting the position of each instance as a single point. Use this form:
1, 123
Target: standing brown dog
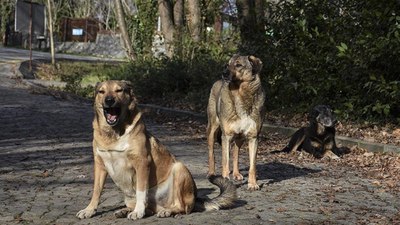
150, 177
236, 112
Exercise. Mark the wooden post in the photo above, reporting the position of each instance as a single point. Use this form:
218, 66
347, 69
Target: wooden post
86, 30
30, 36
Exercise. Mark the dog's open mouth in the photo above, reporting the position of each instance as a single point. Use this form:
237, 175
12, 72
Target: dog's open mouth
112, 115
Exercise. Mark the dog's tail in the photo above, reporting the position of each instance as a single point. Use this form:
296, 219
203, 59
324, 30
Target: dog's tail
225, 199
286, 149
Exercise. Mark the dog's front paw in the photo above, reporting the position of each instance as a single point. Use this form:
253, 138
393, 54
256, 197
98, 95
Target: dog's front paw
86, 213
210, 174
225, 174
330, 155
253, 187
164, 213
237, 176
136, 215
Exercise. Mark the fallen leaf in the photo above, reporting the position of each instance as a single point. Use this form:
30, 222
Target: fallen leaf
281, 209
376, 182
45, 173
368, 154
396, 133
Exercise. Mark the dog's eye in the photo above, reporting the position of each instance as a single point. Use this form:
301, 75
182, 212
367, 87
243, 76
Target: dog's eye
238, 65
118, 90
101, 92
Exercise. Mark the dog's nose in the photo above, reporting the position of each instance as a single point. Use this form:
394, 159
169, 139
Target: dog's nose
226, 75
109, 101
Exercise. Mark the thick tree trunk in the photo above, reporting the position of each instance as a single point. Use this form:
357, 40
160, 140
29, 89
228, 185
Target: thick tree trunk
252, 27
179, 24
179, 16
194, 19
124, 31
167, 25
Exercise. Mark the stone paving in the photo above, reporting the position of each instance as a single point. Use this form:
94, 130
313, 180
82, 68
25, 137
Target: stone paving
46, 174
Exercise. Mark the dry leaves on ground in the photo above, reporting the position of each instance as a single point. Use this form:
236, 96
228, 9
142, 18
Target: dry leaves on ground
382, 168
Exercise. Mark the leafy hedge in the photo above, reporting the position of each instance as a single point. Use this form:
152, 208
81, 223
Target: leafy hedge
344, 53
185, 80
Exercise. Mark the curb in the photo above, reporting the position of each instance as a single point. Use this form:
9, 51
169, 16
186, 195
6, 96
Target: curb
174, 112
286, 131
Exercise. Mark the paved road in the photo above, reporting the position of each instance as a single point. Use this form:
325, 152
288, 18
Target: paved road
15, 54
46, 174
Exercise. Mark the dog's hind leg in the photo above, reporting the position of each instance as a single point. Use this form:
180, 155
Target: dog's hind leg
236, 174
130, 203
181, 193
296, 141
122, 213
211, 133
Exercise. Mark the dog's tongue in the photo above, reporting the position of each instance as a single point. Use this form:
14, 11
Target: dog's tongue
111, 115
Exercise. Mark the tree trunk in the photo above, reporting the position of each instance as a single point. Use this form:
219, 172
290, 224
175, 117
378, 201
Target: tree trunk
252, 27
178, 14
218, 25
124, 31
194, 19
50, 9
167, 25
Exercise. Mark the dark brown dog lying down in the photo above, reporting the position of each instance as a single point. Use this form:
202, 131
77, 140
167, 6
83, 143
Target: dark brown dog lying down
152, 180
318, 138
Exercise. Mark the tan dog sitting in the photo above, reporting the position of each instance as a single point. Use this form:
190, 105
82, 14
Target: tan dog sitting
236, 112
152, 180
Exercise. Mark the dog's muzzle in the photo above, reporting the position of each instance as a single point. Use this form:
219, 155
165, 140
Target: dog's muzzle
226, 75
326, 121
111, 111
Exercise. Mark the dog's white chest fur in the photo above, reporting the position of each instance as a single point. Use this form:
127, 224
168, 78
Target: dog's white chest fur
119, 168
245, 123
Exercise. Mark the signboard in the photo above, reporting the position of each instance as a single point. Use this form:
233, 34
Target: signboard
77, 32
23, 16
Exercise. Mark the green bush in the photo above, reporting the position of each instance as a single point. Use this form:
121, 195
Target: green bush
343, 53
177, 81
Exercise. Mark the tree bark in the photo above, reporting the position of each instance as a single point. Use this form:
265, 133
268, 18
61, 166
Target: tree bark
124, 31
167, 25
252, 27
178, 13
218, 25
50, 9
194, 19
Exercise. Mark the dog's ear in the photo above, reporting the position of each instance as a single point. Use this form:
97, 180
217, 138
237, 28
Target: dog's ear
313, 114
128, 87
256, 64
97, 87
